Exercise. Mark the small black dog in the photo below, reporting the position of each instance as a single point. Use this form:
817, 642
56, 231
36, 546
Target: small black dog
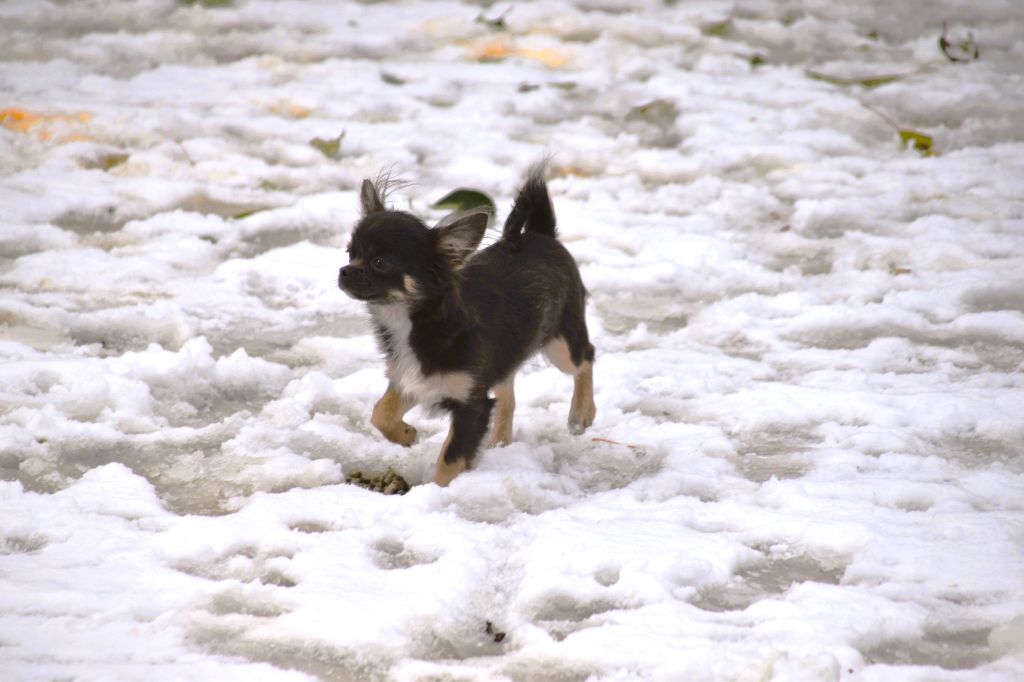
455, 325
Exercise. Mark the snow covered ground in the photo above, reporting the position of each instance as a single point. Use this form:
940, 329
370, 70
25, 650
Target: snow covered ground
807, 460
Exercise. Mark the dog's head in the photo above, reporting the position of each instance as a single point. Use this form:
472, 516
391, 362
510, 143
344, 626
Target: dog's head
395, 257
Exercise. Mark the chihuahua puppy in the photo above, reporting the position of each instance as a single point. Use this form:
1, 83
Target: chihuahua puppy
455, 325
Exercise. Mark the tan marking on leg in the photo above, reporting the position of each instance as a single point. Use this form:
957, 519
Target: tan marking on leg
557, 352
446, 472
387, 417
582, 410
504, 407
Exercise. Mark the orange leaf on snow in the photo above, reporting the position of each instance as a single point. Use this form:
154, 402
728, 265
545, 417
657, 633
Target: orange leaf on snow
17, 119
22, 121
546, 56
493, 52
498, 50
289, 109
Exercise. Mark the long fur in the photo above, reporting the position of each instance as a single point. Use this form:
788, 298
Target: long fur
532, 210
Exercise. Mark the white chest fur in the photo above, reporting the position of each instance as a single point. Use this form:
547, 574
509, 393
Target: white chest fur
404, 368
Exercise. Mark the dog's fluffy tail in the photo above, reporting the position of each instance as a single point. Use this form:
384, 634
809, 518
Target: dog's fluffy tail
532, 209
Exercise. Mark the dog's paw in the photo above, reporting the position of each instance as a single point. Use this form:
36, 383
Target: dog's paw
581, 419
402, 433
447, 471
397, 432
387, 417
501, 435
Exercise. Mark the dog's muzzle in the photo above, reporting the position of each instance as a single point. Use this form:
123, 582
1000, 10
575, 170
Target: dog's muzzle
353, 281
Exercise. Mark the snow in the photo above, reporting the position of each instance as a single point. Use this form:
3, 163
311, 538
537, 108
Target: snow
807, 458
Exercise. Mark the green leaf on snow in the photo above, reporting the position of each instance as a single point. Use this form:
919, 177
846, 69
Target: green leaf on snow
919, 141
109, 161
719, 29
209, 4
868, 82
328, 147
465, 199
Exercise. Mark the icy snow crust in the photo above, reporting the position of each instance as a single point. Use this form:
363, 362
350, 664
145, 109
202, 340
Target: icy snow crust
806, 463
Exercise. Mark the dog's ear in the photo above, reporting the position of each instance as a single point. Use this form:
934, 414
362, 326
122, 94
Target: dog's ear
369, 197
458, 237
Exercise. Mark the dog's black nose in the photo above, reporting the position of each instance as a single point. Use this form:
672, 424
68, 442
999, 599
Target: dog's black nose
351, 278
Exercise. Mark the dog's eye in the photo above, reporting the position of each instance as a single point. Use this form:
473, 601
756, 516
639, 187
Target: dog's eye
378, 264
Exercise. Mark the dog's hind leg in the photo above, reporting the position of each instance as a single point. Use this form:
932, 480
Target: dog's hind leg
468, 428
505, 406
387, 417
582, 410
580, 365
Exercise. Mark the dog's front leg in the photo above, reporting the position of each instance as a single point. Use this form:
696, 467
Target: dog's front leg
468, 428
387, 417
